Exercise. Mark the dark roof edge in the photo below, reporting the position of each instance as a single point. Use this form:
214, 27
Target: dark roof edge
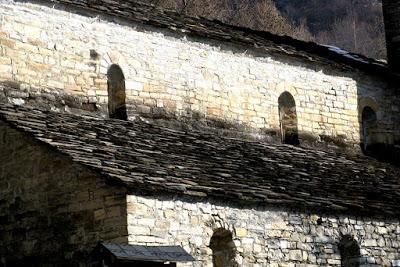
147, 14
132, 253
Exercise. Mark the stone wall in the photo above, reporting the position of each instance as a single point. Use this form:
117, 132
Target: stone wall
262, 236
170, 76
391, 12
52, 211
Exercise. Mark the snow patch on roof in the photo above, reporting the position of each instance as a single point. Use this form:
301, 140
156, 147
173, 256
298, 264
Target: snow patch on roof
347, 54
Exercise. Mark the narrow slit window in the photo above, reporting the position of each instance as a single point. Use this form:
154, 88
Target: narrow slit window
116, 93
369, 124
349, 252
288, 119
223, 249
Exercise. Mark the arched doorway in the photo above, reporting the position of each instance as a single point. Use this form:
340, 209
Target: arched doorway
116, 93
223, 248
288, 119
369, 124
349, 252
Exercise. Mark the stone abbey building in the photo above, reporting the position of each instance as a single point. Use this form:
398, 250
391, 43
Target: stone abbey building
133, 136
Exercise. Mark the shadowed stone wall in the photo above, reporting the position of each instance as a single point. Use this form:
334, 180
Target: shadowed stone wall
391, 12
261, 236
53, 52
51, 210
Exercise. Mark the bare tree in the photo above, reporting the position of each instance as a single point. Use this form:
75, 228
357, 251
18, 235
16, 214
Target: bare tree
357, 36
355, 25
259, 15
301, 31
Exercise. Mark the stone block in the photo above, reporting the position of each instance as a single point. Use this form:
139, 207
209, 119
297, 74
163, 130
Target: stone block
369, 243
295, 255
396, 263
334, 262
138, 230
134, 85
150, 222
5, 61
144, 239
4, 68
7, 42
99, 214
382, 230
241, 232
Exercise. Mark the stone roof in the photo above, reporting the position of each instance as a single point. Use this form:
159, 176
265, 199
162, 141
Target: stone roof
150, 158
146, 14
132, 253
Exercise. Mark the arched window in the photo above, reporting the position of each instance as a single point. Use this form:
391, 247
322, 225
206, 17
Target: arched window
116, 93
223, 249
349, 252
288, 119
369, 123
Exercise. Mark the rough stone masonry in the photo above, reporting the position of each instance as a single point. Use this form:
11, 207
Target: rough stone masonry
121, 181
61, 55
48, 52
262, 237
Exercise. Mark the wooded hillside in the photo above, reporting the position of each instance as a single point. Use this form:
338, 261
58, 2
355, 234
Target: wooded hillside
355, 25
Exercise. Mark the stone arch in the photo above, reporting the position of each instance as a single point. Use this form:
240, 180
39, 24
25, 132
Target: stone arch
116, 93
288, 119
349, 252
369, 126
368, 101
112, 58
223, 248
216, 222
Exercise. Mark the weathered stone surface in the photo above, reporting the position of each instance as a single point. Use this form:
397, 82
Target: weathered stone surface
188, 69
255, 244
169, 74
203, 165
391, 12
53, 211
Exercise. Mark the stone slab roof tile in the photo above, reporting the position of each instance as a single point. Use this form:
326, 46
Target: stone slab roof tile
147, 14
147, 157
146, 253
